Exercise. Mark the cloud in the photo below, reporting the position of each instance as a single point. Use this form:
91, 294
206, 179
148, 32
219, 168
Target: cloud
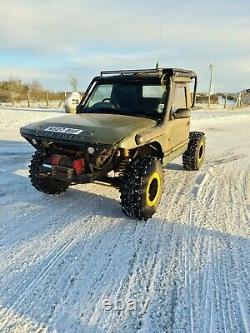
122, 59
54, 27
63, 26
27, 74
86, 36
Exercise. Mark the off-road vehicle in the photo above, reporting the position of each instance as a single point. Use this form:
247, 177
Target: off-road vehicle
129, 124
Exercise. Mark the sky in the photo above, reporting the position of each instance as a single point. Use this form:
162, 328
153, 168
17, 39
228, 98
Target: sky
51, 40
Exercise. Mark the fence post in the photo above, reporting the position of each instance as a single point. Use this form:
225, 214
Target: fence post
210, 84
28, 98
225, 102
13, 98
47, 98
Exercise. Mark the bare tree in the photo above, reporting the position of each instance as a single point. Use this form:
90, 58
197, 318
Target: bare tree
27, 93
73, 82
36, 89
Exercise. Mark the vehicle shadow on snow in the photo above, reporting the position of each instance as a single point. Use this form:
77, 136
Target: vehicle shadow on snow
174, 166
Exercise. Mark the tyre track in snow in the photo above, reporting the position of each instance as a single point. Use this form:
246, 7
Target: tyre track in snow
82, 262
240, 257
175, 209
136, 272
123, 237
24, 291
167, 244
229, 206
214, 251
179, 198
99, 278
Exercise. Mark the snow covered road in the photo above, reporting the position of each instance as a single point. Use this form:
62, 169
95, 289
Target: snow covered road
75, 263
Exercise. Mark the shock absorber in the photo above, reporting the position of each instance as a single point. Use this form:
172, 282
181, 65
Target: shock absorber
124, 160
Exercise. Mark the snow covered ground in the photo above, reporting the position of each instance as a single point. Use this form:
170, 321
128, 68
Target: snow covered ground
75, 263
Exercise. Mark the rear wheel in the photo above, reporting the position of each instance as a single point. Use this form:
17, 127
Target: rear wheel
142, 187
44, 184
193, 158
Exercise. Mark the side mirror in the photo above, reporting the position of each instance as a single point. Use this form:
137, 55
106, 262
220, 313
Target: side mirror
181, 113
160, 108
78, 108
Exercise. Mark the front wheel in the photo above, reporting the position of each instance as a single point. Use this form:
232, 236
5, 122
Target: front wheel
142, 187
193, 158
44, 184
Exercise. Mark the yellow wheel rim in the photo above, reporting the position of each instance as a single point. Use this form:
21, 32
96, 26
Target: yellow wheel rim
153, 189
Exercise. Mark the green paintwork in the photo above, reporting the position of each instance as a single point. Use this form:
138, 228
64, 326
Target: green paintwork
169, 137
97, 128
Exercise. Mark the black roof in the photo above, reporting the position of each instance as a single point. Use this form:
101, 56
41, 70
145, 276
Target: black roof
156, 72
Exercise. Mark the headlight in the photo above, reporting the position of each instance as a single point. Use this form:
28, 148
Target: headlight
91, 150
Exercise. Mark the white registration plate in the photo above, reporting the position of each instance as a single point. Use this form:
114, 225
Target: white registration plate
65, 130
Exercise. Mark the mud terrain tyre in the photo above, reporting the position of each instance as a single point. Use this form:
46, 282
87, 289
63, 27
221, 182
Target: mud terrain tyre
141, 187
193, 158
44, 184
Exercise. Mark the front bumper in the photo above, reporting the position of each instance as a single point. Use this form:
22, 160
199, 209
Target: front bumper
69, 176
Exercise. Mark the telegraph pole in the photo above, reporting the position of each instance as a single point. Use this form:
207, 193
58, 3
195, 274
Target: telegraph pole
211, 83
225, 102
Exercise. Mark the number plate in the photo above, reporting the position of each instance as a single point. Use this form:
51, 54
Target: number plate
65, 130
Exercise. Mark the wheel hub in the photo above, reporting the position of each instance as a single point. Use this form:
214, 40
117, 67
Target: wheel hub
153, 189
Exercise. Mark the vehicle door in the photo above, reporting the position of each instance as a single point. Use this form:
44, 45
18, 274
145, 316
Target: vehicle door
179, 120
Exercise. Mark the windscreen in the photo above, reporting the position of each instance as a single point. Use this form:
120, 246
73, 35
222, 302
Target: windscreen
128, 98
